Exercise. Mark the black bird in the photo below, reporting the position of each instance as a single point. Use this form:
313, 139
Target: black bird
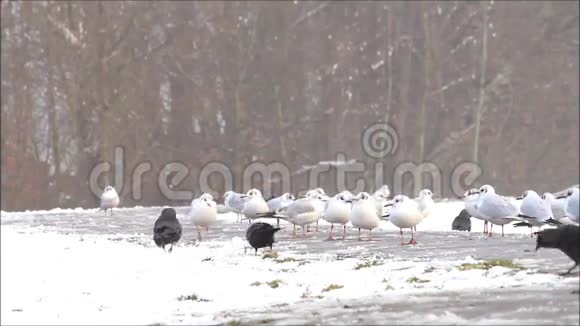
261, 235
462, 222
565, 238
167, 229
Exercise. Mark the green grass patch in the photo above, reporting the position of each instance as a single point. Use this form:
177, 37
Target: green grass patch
234, 323
367, 264
255, 284
332, 287
486, 265
274, 284
417, 280
429, 269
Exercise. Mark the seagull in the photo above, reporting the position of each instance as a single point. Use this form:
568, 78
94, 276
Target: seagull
255, 204
558, 206
424, 202
381, 198
572, 202
109, 199
167, 229
535, 211
337, 211
498, 209
203, 211
235, 202
470, 199
383, 191
280, 202
261, 235
364, 213
405, 214
319, 197
301, 212
565, 237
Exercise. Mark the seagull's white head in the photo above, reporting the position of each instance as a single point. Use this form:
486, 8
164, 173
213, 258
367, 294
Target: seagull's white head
206, 197
530, 194
470, 194
363, 196
425, 193
109, 188
344, 196
548, 196
320, 191
383, 192
288, 196
254, 193
228, 194
486, 189
400, 199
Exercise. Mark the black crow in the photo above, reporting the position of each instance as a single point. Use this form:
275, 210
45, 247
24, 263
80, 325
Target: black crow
167, 229
565, 238
261, 235
462, 222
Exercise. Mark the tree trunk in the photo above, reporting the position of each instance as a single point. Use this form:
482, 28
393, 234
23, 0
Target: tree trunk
483, 64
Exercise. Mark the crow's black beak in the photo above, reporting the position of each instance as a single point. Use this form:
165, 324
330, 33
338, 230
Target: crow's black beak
561, 196
387, 205
520, 198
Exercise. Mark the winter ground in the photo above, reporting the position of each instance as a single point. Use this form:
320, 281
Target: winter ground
80, 267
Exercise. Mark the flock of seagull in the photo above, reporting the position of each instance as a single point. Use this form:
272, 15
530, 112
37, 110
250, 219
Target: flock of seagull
365, 211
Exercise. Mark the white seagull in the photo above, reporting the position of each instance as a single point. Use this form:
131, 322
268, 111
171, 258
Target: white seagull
381, 198
319, 197
235, 201
364, 213
470, 199
498, 209
558, 208
535, 211
255, 205
301, 212
109, 199
405, 214
203, 212
337, 211
425, 203
572, 202
279, 202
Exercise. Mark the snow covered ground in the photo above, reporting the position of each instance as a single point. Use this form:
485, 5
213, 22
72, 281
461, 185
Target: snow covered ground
80, 267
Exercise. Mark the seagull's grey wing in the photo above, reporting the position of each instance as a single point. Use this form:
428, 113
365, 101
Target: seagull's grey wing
558, 211
572, 207
274, 203
497, 206
536, 209
299, 207
237, 202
